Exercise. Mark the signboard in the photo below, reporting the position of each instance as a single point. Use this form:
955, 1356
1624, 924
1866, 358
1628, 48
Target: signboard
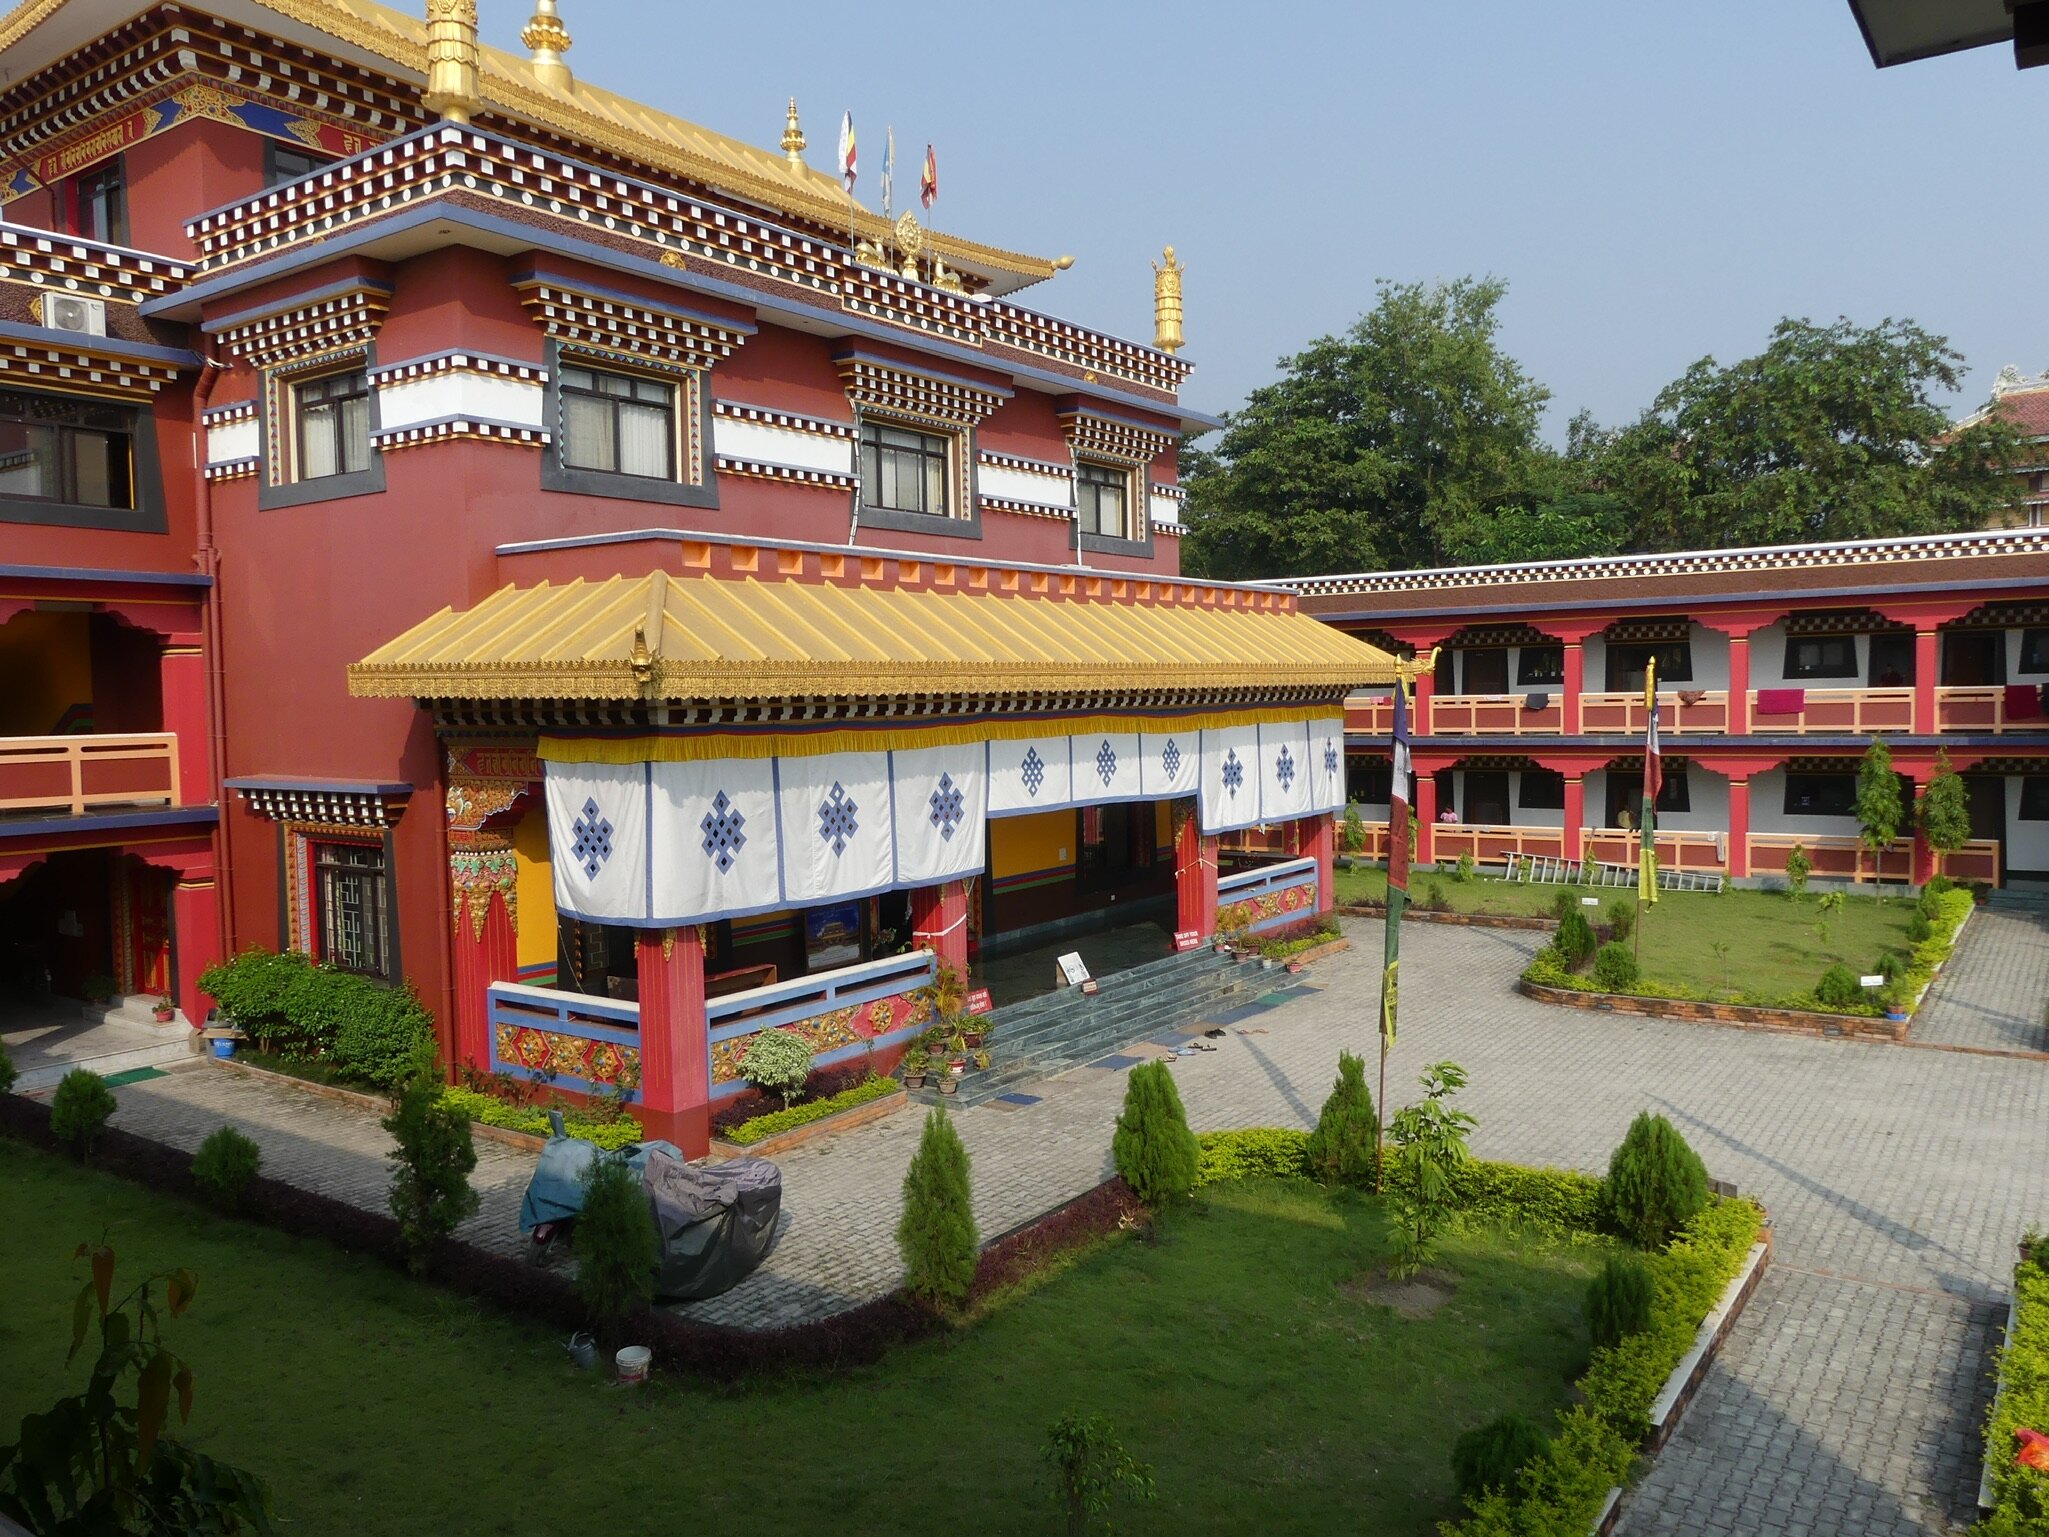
1871, 981
1073, 971
978, 1001
1589, 901
1186, 939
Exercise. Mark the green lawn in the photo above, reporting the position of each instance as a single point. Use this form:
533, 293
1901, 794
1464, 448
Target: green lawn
1230, 1356
1774, 940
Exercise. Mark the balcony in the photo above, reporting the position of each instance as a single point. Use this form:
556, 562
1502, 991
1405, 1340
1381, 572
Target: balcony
1369, 715
1848, 859
1705, 851
1496, 715
1833, 711
1984, 710
1490, 843
75, 775
1689, 710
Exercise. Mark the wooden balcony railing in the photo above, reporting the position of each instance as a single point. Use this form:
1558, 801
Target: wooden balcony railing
1841, 710
1492, 843
1496, 715
1624, 712
71, 775
1981, 709
1676, 850
1369, 715
1845, 858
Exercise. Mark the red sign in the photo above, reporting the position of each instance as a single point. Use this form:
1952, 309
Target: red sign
1186, 939
978, 1001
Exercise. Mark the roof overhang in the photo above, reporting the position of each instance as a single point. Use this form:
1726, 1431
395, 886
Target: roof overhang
1901, 31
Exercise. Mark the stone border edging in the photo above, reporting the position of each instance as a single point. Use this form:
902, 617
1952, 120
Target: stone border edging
1416, 914
840, 1120
2013, 1313
525, 1142
1317, 952
1686, 1377
1741, 1016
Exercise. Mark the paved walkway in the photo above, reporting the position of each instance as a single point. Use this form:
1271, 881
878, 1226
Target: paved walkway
1849, 1399
1995, 989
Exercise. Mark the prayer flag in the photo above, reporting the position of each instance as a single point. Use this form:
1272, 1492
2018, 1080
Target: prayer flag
848, 160
1397, 869
1653, 781
928, 179
888, 170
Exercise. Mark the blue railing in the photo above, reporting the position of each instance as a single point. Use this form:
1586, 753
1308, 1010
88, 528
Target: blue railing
1249, 885
793, 1002
575, 1027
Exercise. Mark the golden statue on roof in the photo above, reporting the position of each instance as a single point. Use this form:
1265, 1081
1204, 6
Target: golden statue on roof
1167, 303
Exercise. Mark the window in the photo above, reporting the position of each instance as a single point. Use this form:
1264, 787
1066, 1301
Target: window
903, 470
1115, 843
66, 450
2035, 651
282, 163
332, 418
1486, 798
1540, 664
1625, 793
95, 203
618, 424
1368, 783
2035, 798
1627, 660
1102, 497
1821, 795
354, 917
1821, 656
1540, 789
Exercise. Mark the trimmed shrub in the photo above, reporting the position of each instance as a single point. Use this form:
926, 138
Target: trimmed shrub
1492, 1457
1341, 1147
1258, 1152
286, 1004
430, 1182
1619, 1301
1890, 966
1615, 968
1575, 938
936, 1234
7, 1073
224, 1165
1566, 901
617, 1247
1621, 918
1153, 1148
1656, 1183
80, 1109
761, 1127
780, 1061
1937, 885
474, 1104
1838, 988
1798, 868
1919, 929
386, 1034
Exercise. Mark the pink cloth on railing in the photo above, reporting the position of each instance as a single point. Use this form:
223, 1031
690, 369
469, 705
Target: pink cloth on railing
1781, 701
2023, 701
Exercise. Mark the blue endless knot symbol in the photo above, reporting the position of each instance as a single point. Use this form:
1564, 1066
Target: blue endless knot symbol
723, 838
593, 845
1330, 756
1170, 760
1284, 769
1234, 773
948, 806
1106, 762
836, 824
1034, 770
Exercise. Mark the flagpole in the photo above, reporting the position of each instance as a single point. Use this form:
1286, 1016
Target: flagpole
1400, 815
1646, 824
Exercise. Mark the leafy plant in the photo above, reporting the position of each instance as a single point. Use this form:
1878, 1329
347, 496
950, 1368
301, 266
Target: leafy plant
1493, 1455
1621, 918
1152, 1147
1798, 868
1564, 902
1090, 1468
1619, 1300
7, 1072
431, 1164
1720, 947
1936, 886
1429, 1141
80, 1109
285, 1003
1341, 1149
936, 1234
1656, 1182
1467, 869
1890, 966
1945, 811
1615, 968
1880, 809
617, 1247
224, 1165
759, 1128
588, 1121
1838, 988
1830, 904
1352, 833
1232, 922
779, 1061
1575, 939
92, 1464
1918, 926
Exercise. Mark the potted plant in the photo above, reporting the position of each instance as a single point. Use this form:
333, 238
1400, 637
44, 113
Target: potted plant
1232, 924
916, 1063
981, 1061
164, 1010
1895, 999
949, 1081
99, 988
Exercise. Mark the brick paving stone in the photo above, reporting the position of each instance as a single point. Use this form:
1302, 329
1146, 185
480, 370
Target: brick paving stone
1994, 989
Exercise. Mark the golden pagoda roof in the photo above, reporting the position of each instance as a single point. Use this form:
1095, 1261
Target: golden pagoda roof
666, 637
604, 119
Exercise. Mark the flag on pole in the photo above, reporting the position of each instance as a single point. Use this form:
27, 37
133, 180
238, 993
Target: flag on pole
888, 169
848, 165
1397, 867
928, 179
1653, 782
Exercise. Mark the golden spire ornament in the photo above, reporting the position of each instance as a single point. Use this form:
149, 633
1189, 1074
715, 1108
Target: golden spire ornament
793, 138
546, 40
1167, 303
451, 60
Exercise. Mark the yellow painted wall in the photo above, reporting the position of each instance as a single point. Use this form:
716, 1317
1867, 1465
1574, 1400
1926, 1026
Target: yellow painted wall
47, 662
536, 888
1163, 824
1021, 845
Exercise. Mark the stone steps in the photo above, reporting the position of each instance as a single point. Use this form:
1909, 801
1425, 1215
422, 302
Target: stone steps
106, 1063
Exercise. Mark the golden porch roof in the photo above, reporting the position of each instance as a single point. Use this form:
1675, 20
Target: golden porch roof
665, 637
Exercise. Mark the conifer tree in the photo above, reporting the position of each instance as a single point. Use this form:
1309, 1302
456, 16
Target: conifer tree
1879, 812
1153, 1147
936, 1234
1341, 1147
1945, 812
1656, 1182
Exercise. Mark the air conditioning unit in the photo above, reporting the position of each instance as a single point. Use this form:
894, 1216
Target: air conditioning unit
68, 312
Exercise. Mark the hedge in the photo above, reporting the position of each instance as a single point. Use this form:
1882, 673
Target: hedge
611, 1132
2020, 1495
804, 1112
288, 1004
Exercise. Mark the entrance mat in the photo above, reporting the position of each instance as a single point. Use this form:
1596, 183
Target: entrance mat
133, 1075
1271, 1000
1173, 1037
1116, 1063
1015, 1101
1243, 1011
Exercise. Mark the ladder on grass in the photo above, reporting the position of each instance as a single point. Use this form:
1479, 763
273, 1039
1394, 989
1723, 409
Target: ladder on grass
1549, 870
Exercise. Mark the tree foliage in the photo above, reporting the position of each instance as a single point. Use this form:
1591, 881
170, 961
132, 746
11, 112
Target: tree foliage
1880, 809
617, 1247
1152, 1147
1656, 1182
1090, 1466
936, 1234
1342, 1148
431, 1162
1945, 809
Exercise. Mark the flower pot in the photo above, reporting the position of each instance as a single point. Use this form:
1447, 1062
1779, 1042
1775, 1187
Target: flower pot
223, 1049
914, 1080
163, 1016
1896, 1016
949, 1084
972, 1037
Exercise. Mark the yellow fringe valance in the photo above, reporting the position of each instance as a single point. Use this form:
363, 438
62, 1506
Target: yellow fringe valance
889, 736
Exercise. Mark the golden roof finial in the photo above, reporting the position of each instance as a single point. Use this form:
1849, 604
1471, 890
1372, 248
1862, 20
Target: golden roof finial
451, 59
546, 40
793, 138
1167, 304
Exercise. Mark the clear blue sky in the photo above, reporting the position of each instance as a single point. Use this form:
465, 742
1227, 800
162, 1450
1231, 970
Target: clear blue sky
1654, 182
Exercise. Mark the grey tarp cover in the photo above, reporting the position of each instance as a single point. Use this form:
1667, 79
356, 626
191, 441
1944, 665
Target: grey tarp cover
716, 1224
556, 1190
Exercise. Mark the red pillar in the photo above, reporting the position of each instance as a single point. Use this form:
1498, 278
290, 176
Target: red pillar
1575, 681
1927, 668
1195, 878
486, 951
1739, 684
1426, 689
939, 922
1319, 841
675, 1045
1426, 812
1575, 808
196, 928
1925, 862
1739, 826
181, 669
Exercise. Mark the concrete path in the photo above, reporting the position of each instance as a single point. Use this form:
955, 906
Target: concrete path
1994, 990
1849, 1399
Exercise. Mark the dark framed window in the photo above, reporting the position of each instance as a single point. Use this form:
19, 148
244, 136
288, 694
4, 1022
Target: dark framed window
353, 892
1540, 789
1821, 795
904, 470
618, 424
1540, 664
66, 450
1486, 798
1821, 656
94, 203
1628, 659
1674, 792
1368, 783
1113, 843
331, 424
1102, 500
1484, 670
2035, 651
283, 163
1625, 793
2035, 798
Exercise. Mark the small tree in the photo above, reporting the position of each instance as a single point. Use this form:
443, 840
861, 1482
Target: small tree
779, 1061
1838, 988
1619, 1300
1153, 1148
936, 1234
1429, 1150
7, 1073
80, 1109
1945, 810
1575, 938
1798, 868
1656, 1182
1353, 831
1341, 1147
1493, 1456
224, 1165
1879, 808
1615, 969
431, 1164
1090, 1466
617, 1247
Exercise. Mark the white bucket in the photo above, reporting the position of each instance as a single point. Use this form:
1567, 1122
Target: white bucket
632, 1363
